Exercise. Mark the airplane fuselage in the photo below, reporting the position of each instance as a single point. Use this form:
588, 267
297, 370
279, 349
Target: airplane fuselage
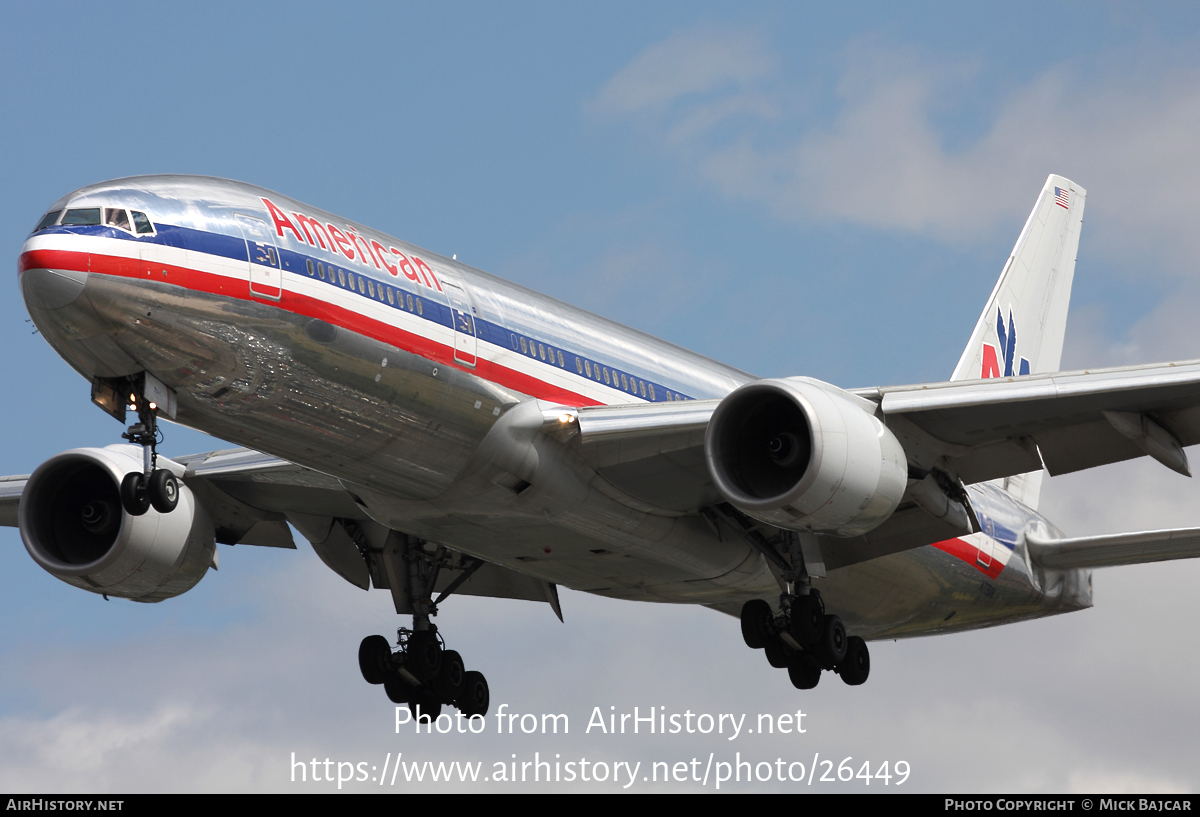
294, 332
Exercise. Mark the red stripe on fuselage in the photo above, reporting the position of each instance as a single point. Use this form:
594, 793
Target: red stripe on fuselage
961, 549
304, 305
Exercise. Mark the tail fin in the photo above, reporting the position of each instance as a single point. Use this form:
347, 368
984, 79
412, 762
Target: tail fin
1022, 327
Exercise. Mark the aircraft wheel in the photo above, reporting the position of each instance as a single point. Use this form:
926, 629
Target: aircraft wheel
807, 619
423, 657
856, 666
475, 696
804, 672
135, 499
163, 491
756, 623
832, 646
422, 706
777, 653
397, 690
374, 659
451, 677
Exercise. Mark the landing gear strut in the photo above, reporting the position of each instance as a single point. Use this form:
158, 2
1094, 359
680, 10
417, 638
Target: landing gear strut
153, 487
421, 671
802, 637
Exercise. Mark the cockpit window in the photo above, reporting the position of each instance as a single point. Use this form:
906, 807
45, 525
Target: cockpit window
117, 218
48, 220
81, 216
144, 227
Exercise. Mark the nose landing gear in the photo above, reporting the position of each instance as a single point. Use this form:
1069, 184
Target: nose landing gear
153, 487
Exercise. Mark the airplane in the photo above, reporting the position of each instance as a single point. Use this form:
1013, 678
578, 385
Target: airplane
433, 430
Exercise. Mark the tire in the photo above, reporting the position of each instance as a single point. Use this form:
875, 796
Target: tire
475, 695
423, 655
374, 659
757, 619
832, 646
397, 690
163, 491
856, 666
135, 499
424, 706
450, 678
777, 653
804, 672
807, 619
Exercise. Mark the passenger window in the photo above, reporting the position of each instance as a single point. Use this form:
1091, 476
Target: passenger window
578, 365
642, 387
524, 346
308, 263
361, 287
561, 362
408, 298
117, 218
606, 380
587, 364
624, 382
48, 220
341, 278
350, 278
82, 217
420, 310
541, 351
370, 288
512, 338
391, 296
650, 388
321, 270
143, 225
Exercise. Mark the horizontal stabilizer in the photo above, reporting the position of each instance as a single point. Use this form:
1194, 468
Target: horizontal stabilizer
1114, 549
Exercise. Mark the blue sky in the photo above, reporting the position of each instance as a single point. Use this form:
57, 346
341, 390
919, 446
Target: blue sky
796, 189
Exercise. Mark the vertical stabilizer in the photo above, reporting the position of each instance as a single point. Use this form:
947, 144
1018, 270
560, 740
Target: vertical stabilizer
1022, 327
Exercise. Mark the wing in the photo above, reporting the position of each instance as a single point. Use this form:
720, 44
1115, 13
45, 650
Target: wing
1068, 421
653, 455
252, 497
1113, 549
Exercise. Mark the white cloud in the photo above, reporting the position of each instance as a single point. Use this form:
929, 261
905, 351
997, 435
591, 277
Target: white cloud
695, 61
882, 159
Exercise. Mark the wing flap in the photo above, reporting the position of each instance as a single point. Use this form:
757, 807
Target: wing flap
995, 428
1114, 549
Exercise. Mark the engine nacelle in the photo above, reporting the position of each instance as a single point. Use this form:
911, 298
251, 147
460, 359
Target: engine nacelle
804, 455
73, 526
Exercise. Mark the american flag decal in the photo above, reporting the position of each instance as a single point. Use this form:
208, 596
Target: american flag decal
1060, 197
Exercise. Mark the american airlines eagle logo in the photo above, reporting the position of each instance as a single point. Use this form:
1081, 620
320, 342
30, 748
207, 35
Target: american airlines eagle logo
995, 358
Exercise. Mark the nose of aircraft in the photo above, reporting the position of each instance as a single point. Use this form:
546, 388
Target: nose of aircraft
50, 288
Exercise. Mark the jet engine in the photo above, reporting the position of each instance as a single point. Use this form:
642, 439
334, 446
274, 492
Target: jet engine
73, 526
801, 454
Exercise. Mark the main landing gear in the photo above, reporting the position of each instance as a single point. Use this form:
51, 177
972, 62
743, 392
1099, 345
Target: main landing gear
154, 486
423, 674
802, 638
805, 640
421, 671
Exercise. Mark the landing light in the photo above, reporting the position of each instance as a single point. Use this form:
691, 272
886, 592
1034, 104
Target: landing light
566, 418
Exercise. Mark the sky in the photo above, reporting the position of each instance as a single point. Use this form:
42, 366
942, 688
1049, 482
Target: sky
826, 190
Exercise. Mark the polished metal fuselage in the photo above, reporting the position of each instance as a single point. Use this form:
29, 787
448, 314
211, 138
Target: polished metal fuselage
390, 378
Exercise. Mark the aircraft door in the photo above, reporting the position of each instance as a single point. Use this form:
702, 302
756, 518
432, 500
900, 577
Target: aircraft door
463, 315
266, 278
